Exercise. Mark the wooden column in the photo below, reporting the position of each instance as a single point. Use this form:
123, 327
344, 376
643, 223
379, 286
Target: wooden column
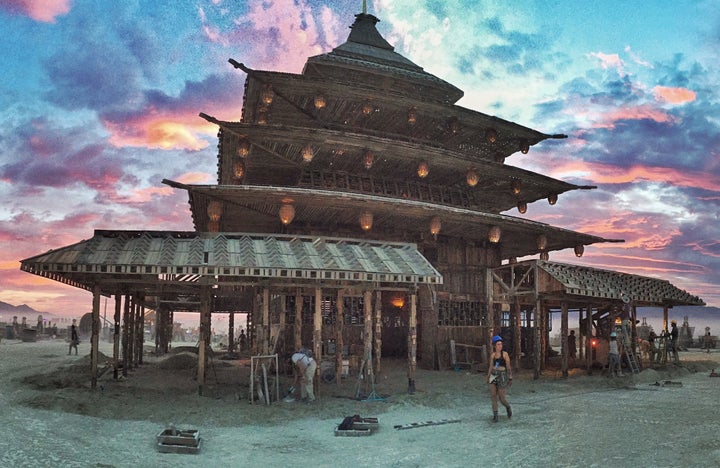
204, 342
367, 338
297, 341
633, 325
317, 336
94, 340
265, 338
231, 332
339, 328
412, 341
665, 318
126, 335
537, 339
378, 331
581, 338
140, 330
564, 338
517, 335
116, 335
588, 339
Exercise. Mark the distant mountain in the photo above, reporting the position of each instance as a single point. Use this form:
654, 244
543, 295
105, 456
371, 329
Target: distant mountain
22, 310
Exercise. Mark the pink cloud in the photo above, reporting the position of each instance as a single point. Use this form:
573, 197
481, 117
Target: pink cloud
642, 112
168, 131
674, 95
608, 174
608, 60
196, 178
40, 10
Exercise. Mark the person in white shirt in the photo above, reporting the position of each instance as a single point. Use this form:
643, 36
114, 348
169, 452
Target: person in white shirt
305, 366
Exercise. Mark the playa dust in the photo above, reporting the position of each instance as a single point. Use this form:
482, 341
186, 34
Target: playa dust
664, 416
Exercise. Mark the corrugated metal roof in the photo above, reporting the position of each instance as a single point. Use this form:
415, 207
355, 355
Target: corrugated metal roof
607, 284
187, 256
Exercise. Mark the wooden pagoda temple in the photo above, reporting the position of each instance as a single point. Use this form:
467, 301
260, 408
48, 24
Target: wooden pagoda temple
358, 204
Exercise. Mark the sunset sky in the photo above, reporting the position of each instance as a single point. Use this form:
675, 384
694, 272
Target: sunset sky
99, 102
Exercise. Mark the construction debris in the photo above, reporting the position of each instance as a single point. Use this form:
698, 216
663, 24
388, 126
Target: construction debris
426, 423
172, 440
356, 426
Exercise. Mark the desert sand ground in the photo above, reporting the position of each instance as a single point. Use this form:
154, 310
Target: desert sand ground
50, 416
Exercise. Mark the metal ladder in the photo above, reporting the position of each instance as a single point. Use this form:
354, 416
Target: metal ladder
625, 342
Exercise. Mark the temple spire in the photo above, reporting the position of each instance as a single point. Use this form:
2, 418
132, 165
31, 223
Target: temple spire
364, 7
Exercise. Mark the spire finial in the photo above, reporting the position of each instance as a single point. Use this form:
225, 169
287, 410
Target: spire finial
364, 7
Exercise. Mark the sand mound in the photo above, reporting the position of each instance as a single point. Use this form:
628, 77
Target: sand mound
182, 360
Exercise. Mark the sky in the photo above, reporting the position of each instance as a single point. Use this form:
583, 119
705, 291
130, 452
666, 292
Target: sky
99, 102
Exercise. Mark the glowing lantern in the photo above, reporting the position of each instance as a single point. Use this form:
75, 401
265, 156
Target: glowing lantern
435, 225
542, 242
491, 135
453, 125
472, 177
214, 210
515, 186
267, 94
262, 116
243, 148
287, 214
239, 169
412, 115
494, 234
366, 221
552, 198
422, 170
522, 207
524, 146
319, 101
307, 153
368, 159
579, 250
367, 108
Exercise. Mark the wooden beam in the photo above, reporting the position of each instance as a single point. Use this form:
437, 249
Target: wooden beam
204, 343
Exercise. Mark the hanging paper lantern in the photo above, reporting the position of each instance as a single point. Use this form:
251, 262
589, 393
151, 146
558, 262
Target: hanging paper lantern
435, 225
366, 221
287, 214
214, 210
494, 234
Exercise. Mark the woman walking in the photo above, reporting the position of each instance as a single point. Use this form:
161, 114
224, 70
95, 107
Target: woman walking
499, 377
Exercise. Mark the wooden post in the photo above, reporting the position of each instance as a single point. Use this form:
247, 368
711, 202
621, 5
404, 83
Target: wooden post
589, 339
131, 332
581, 338
204, 342
378, 331
126, 335
140, 327
231, 332
368, 330
265, 338
537, 339
564, 338
116, 335
317, 337
339, 342
297, 341
517, 335
665, 318
412, 342
94, 340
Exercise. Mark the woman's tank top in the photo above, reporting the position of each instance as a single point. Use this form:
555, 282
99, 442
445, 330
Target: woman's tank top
499, 362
